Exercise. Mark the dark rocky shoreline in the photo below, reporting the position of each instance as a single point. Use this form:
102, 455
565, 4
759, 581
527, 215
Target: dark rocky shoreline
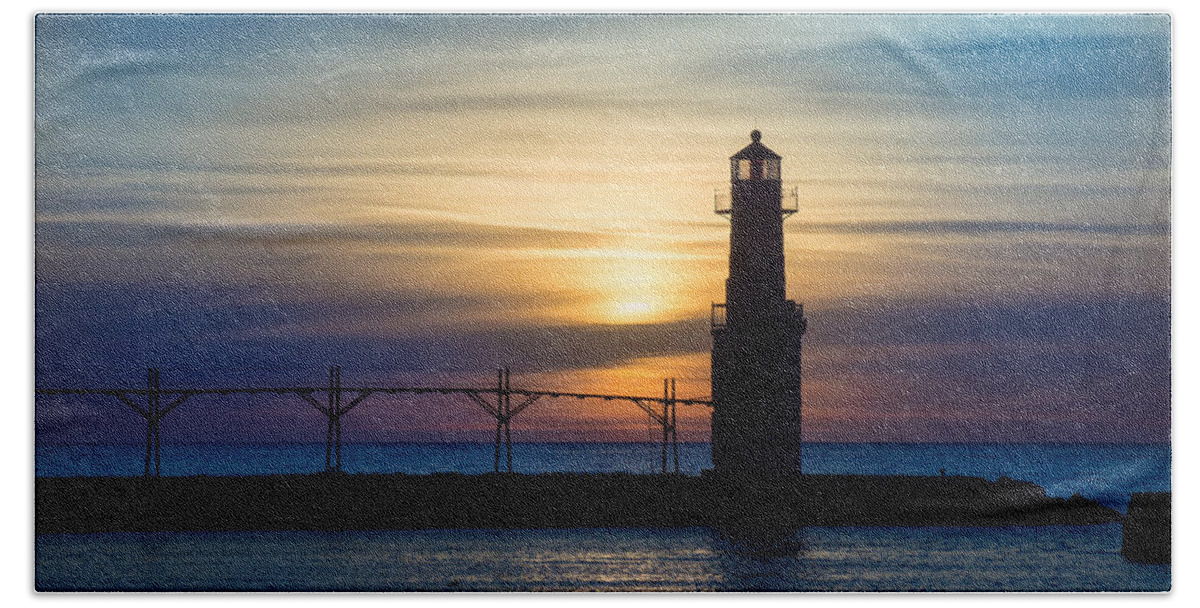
455, 501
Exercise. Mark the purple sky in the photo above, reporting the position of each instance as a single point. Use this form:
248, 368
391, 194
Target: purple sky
983, 242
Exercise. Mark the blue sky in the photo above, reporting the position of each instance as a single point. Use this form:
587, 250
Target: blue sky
240, 198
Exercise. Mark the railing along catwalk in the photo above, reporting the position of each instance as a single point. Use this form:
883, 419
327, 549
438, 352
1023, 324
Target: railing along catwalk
340, 400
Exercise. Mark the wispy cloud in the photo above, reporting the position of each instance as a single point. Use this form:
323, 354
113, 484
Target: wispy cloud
973, 227
980, 194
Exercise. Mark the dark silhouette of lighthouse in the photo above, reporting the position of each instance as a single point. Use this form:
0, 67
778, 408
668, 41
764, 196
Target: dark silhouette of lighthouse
757, 331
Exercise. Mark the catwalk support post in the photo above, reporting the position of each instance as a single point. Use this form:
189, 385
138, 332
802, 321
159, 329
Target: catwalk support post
507, 409
333, 413
154, 412
666, 423
499, 416
674, 428
329, 424
333, 410
337, 418
151, 394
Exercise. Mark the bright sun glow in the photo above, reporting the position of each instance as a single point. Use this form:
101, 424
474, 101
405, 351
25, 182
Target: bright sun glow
628, 282
633, 309
635, 287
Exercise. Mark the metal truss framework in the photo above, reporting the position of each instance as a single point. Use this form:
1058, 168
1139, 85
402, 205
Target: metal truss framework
340, 400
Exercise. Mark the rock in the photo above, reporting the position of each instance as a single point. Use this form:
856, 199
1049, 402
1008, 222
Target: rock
1146, 531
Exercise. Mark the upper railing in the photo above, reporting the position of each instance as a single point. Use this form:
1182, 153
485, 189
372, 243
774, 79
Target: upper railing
723, 201
717, 317
790, 202
797, 312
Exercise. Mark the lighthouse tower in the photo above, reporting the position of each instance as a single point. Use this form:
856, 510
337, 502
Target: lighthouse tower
757, 331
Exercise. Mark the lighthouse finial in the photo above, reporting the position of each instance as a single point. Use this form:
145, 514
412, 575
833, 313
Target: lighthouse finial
755, 135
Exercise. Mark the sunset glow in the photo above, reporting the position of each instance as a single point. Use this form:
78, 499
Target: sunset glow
983, 239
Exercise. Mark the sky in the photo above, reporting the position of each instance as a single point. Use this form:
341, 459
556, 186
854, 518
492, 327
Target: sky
983, 242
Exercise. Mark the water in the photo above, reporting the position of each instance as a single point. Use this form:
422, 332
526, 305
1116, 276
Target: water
1104, 472
1049, 558
1053, 558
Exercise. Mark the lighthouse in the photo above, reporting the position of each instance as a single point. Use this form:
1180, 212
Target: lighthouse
757, 331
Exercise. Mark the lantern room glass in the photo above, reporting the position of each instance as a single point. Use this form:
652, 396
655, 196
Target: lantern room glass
744, 169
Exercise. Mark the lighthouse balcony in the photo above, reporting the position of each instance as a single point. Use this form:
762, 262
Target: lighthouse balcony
788, 204
717, 318
722, 201
797, 314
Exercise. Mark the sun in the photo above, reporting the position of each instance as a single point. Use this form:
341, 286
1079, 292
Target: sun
628, 282
633, 310
633, 287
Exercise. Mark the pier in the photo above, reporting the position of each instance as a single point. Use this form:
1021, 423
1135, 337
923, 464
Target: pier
338, 501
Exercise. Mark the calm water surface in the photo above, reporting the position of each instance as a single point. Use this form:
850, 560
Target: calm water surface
1054, 558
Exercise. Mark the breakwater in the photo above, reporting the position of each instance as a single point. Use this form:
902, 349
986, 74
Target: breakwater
1146, 531
455, 501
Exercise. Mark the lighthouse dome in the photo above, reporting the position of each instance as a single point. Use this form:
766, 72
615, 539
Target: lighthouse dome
755, 161
755, 151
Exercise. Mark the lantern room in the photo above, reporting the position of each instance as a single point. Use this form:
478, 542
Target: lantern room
754, 162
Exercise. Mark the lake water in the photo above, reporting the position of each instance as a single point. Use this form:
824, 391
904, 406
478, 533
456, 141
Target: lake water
1049, 558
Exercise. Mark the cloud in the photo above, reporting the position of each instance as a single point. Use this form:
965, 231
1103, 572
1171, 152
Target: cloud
68, 236
122, 329
229, 112
1036, 57
1141, 318
1037, 370
973, 227
875, 370
137, 294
